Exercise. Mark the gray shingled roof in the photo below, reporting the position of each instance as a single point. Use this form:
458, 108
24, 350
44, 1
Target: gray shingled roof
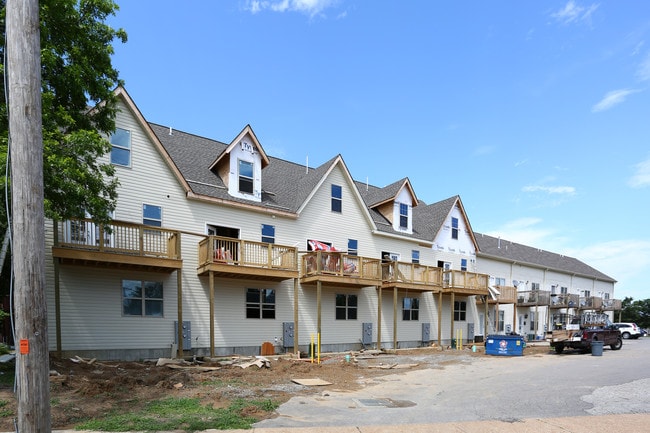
287, 185
490, 246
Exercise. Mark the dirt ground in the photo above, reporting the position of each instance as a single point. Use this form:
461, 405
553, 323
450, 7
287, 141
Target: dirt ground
83, 388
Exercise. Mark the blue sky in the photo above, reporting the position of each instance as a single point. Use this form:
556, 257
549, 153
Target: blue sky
536, 113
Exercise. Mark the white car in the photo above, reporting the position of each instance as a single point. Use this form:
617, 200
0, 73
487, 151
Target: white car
628, 330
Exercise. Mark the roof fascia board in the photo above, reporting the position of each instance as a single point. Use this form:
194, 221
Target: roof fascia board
237, 205
422, 242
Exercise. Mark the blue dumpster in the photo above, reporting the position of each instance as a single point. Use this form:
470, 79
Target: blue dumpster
504, 345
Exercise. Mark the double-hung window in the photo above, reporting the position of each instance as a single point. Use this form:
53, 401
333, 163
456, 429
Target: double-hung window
337, 198
260, 304
121, 147
463, 265
415, 256
142, 298
460, 311
245, 177
410, 309
151, 215
353, 247
454, 228
346, 307
268, 233
403, 216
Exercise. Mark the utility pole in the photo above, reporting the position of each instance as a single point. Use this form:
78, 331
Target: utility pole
28, 224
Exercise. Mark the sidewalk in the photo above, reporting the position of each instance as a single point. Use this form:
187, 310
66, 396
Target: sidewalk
584, 424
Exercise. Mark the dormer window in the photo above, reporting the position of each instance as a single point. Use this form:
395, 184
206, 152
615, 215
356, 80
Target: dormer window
245, 177
403, 216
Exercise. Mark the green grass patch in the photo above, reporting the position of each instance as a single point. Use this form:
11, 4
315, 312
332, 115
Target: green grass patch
4, 411
181, 414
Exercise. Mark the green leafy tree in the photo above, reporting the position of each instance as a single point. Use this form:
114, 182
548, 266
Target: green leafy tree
636, 311
76, 73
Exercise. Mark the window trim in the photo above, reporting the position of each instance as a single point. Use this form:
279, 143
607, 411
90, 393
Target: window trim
244, 178
120, 147
260, 304
144, 299
454, 228
336, 192
348, 308
413, 312
460, 311
403, 216
147, 220
269, 236
353, 247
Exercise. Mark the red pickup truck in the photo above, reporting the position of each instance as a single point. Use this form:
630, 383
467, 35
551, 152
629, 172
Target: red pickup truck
583, 330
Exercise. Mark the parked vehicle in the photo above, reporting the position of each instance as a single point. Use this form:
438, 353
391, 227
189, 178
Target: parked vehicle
582, 330
628, 330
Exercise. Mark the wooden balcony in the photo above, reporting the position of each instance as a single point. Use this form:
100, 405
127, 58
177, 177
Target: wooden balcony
612, 305
564, 300
339, 268
118, 244
507, 295
590, 303
533, 298
465, 283
411, 276
236, 258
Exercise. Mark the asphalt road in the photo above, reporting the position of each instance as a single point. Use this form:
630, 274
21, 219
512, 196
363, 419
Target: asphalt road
487, 388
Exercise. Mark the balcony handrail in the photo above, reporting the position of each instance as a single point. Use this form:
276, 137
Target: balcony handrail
341, 264
118, 237
455, 279
411, 273
232, 251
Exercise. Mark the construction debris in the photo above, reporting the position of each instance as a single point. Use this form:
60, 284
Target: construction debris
311, 382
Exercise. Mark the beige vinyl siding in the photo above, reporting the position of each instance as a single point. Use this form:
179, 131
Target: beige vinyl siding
91, 311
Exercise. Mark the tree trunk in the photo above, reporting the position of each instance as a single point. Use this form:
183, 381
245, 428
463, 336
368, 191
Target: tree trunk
28, 225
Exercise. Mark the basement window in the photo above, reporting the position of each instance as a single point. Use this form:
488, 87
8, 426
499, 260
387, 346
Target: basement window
260, 304
410, 309
142, 298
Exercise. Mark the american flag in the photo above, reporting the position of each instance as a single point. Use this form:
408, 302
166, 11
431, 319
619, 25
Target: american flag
320, 246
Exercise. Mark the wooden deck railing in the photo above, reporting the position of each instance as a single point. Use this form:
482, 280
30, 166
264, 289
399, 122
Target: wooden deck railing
534, 297
453, 279
507, 294
117, 237
412, 273
341, 264
223, 250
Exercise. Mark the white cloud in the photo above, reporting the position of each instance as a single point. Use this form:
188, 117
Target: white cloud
524, 231
568, 190
641, 177
643, 71
307, 7
611, 99
572, 13
625, 260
